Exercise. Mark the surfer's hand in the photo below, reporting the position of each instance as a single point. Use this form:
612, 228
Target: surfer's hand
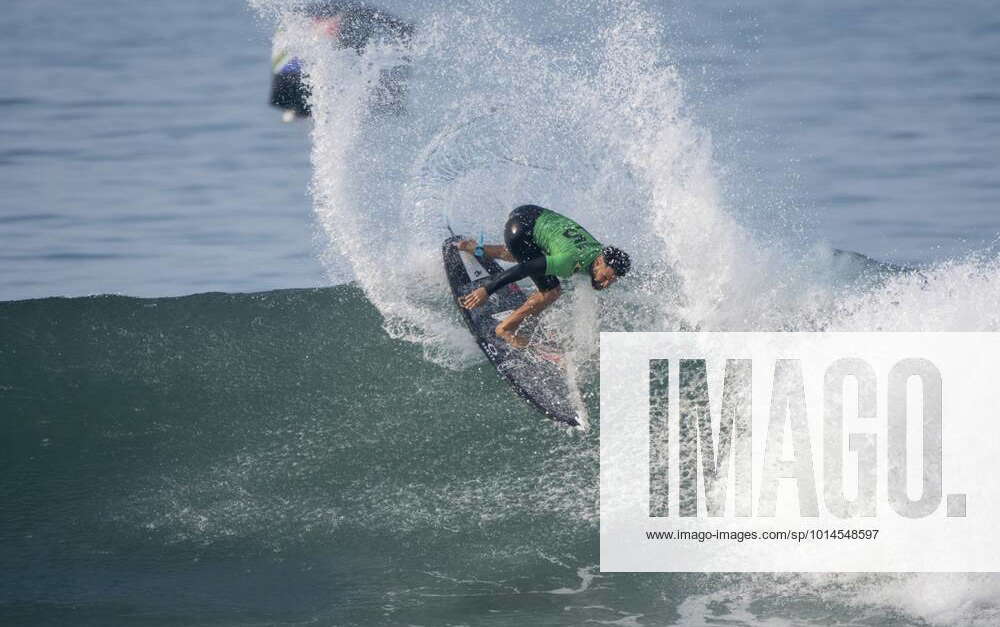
468, 245
474, 298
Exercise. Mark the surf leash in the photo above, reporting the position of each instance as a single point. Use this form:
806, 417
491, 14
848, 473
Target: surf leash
480, 251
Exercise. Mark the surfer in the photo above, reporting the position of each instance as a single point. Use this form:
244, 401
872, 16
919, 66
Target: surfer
545, 245
347, 24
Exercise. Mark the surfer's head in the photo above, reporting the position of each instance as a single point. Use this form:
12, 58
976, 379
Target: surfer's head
611, 264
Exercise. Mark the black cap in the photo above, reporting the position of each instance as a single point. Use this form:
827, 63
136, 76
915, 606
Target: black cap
618, 260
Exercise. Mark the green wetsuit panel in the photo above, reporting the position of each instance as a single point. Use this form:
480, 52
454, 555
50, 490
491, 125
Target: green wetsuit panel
568, 247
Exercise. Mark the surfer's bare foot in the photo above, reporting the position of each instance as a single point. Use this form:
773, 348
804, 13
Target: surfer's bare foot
511, 338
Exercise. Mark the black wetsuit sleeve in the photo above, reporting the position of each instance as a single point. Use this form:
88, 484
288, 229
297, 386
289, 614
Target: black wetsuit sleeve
516, 273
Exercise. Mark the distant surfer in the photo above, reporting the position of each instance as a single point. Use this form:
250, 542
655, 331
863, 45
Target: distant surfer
545, 245
347, 24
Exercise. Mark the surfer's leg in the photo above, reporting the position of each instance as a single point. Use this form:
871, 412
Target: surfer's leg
545, 282
518, 231
518, 236
521, 244
507, 329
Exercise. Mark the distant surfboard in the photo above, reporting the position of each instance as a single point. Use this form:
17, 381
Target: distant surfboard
536, 375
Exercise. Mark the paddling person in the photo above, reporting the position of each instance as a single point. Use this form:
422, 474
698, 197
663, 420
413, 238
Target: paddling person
545, 245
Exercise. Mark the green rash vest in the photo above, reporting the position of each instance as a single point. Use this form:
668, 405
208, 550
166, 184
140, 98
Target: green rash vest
568, 247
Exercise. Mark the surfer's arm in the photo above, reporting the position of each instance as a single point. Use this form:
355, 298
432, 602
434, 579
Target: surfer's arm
515, 273
478, 296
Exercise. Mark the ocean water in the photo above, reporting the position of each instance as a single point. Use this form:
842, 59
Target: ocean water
139, 156
339, 453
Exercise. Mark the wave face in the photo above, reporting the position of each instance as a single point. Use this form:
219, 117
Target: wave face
163, 457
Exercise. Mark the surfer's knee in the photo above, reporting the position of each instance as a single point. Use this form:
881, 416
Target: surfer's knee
545, 282
550, 295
